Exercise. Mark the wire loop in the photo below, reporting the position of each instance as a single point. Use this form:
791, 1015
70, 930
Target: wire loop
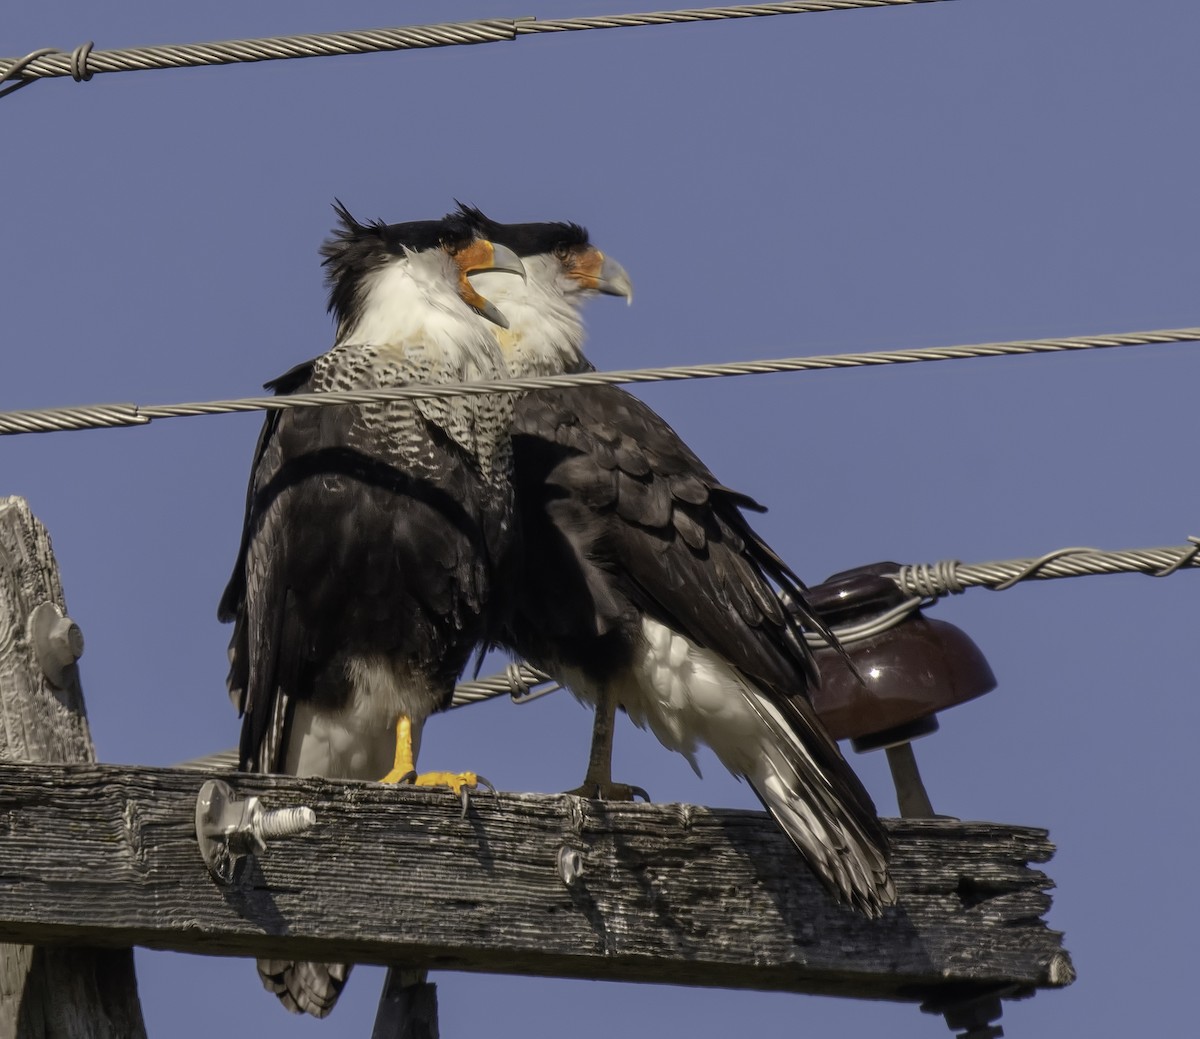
931, 580
868, 629
79, 62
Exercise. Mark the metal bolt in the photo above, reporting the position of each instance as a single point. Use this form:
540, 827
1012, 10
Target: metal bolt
283, 822
228, 829
570, 865
57, 643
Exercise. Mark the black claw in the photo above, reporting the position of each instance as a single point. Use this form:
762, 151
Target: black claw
466, 801
408, 777
608, 791
483, 781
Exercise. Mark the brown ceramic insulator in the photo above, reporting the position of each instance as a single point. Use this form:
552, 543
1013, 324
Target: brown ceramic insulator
909, 672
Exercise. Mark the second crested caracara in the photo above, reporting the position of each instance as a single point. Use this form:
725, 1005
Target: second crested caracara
643, 587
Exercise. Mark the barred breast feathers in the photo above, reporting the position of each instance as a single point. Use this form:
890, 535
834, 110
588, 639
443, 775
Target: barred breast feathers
411, 327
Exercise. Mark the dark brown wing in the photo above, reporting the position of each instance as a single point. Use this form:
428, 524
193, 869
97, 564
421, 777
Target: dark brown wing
618, 506
621, 519
294, 380
350, 552
232, 605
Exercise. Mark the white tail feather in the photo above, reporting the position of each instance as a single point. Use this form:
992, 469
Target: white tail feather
687, 695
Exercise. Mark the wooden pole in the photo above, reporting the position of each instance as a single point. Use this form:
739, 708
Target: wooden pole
407, 1007
50, 993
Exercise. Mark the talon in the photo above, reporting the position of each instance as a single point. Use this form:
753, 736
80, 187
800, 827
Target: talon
456, 781
404, 769
607, 790
396, 777
480, 782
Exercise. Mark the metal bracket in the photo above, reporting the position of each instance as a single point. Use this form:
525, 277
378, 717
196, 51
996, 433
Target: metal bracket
973, 1014
910, 789
570, 865
57, 643
227, 829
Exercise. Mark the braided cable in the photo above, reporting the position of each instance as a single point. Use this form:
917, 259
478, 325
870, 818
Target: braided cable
517, 680
97, 416
702, 14
949, 577
84, 62
929, 581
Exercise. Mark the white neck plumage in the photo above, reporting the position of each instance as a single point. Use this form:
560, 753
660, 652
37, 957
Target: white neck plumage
409, 300
545, 333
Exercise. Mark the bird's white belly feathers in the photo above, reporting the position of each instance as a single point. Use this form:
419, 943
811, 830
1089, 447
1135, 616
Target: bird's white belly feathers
688, 696
358, 742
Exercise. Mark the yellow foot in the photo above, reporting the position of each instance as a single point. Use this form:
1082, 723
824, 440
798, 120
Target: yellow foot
607, 790
461, 783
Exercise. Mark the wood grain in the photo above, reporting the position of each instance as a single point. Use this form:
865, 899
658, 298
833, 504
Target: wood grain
669, 893
79, 993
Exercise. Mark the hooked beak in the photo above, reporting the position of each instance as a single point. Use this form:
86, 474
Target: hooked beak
601, 273
504, 259
482, 255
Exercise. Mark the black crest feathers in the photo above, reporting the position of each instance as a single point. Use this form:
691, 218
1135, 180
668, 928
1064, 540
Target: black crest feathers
523, 239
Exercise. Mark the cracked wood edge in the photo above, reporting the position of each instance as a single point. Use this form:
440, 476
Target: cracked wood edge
85, 993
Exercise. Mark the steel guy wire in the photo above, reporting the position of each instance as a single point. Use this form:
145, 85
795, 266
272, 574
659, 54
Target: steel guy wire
950, 577
84, 62
926, 582
100, 416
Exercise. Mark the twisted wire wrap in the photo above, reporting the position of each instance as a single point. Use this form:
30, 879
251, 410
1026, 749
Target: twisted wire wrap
930, 580
83, 62
950, 577
517, 680
80, 71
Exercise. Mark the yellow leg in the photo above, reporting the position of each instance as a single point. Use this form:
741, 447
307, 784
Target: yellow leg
404, 769
403, 765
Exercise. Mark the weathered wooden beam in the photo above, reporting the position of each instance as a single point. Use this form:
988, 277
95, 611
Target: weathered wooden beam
82, 993
668, 893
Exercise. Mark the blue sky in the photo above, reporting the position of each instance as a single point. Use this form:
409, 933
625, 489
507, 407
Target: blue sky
934, 175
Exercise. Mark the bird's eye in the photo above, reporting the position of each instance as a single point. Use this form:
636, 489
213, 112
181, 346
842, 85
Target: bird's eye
562, 253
